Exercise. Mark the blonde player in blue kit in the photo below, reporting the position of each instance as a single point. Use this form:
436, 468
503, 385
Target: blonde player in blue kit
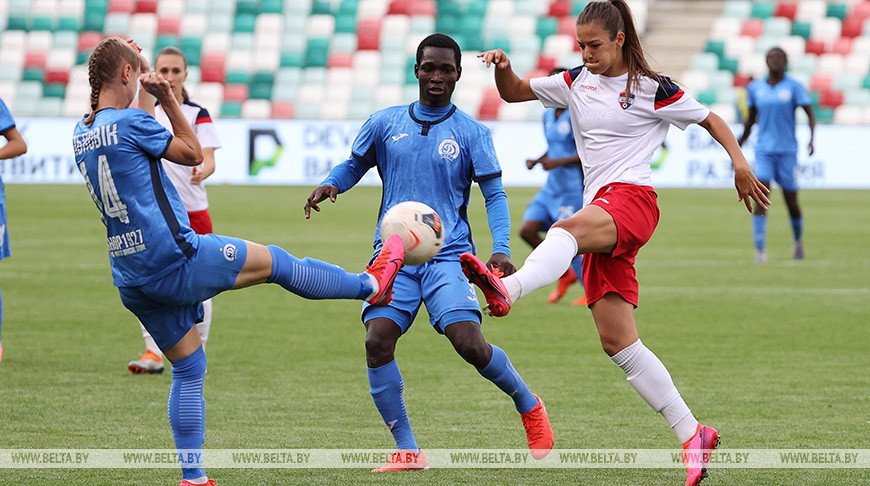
15, 146
162, 268
430, 151
772, 102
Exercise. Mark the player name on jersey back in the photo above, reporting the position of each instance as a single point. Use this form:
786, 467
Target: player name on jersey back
101, 136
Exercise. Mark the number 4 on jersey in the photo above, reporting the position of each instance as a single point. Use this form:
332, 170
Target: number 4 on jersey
112, 204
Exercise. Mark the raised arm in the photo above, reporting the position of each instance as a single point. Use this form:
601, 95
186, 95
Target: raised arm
184, 148
748, 186
511, 88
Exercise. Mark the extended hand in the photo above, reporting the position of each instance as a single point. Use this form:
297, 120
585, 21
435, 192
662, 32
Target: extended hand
502, 263
749, 187
156, 85
495, 56
320, 194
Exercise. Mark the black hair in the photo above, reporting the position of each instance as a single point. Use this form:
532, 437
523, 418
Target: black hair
440, 40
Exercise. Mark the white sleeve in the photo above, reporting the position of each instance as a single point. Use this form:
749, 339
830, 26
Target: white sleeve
553, 91
207, 135
674, 106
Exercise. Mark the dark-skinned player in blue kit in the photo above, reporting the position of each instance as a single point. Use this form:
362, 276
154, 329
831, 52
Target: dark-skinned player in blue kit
430, 151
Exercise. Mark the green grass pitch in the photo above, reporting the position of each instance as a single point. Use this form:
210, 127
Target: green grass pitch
773, 356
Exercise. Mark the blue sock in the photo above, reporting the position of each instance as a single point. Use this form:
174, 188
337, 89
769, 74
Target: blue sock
577, 265
386, 387
501, 372
187, 411
314, 279
1, 313
797, 228
759, 231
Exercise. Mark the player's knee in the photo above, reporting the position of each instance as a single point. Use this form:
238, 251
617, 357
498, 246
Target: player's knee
475, 352
612, 344
379, 350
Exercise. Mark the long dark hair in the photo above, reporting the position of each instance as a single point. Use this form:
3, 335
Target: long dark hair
615, 16
103, 65
173, 51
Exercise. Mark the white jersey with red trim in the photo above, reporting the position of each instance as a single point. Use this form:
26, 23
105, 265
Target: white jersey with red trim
194, 197
617, 136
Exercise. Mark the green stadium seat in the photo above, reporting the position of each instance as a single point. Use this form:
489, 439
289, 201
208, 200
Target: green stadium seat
165, 41
317, 52
547, 26
578, 7
260, 91
42, 23
93, 21
55, 90
802, 29
321, 7
715, 47
866, 83
447, 24
292, 59
453, 9
347, 7
237, 76
824, 115
33, 74
70, 24
345, 23
192, 48
727, 64
271, 6
838, 10
706, 97
244, 22
762, 9
247, 7
231, 109
16, 22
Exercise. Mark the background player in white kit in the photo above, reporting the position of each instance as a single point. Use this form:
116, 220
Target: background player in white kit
188, 181
621, 111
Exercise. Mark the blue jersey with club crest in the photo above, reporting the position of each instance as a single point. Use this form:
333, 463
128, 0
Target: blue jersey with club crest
425, 154
147, 228
565, 179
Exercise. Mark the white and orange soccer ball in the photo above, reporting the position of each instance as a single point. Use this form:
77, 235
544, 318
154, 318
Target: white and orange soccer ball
420, 228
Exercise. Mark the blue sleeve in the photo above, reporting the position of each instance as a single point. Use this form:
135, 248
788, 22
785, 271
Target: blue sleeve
148, 134
802, 98
363, 147
497, 213
484, 162
6, 120
347, 174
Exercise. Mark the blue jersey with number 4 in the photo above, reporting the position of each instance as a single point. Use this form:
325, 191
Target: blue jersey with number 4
147, 227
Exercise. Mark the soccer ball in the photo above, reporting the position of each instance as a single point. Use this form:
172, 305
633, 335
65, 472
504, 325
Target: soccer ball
420, 228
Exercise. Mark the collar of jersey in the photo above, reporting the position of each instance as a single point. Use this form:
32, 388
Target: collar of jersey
428, 123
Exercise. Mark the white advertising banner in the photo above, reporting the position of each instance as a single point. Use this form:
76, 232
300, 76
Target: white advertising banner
300, 152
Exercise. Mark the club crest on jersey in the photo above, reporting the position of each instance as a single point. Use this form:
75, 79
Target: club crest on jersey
229, 251
625, 101
448, 149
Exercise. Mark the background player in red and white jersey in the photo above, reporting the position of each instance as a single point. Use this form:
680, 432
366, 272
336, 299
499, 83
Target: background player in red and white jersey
620, 112
188, 181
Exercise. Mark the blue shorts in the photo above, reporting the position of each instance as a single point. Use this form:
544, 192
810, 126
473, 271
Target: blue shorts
548, 209
779, 167
170, 306
441, 285
4, 234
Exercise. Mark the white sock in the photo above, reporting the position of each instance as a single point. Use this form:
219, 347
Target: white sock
649, 377
204, 327
150, 345
544, 265
376, 287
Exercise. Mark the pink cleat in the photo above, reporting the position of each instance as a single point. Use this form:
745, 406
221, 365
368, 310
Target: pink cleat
210, 482
405, 460
385, 268
498, 301
696, 453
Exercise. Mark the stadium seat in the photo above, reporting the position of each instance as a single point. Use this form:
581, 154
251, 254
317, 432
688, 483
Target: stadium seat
559, 8
852, 27
821, 82
815, 46
762, 9
212, 65
120, 6
830, 98
368, 34
283, 110
786, 9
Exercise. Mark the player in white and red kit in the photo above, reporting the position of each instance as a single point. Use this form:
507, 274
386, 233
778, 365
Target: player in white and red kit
188, 181
620, 112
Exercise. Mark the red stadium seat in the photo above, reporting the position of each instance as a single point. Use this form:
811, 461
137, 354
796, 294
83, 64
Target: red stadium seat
842, 46
236, 92
491, 103
559, 8
816, 47
34, 60
822, 82
752, 27
368, 35
340, 59
120, 6
145, 6
168, 25
786, 9
89, 40
741, 79
830, 98
546, 63
861, 11
283, 110
567, 26
422, 7
852, 27
399, 7
56, 76
212, 66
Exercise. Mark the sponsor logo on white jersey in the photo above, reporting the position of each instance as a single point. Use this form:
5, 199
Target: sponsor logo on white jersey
448, 149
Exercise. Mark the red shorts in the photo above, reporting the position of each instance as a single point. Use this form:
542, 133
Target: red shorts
636, 214
200, 222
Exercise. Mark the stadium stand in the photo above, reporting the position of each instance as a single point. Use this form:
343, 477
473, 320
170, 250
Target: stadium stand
285, 59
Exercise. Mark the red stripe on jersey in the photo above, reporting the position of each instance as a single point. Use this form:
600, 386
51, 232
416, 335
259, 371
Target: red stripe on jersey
203, 119
669, 101
567, 75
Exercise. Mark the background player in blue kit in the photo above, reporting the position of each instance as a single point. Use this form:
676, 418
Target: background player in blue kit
163, 270
562, 194
772, 102
429, 151
15, 146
